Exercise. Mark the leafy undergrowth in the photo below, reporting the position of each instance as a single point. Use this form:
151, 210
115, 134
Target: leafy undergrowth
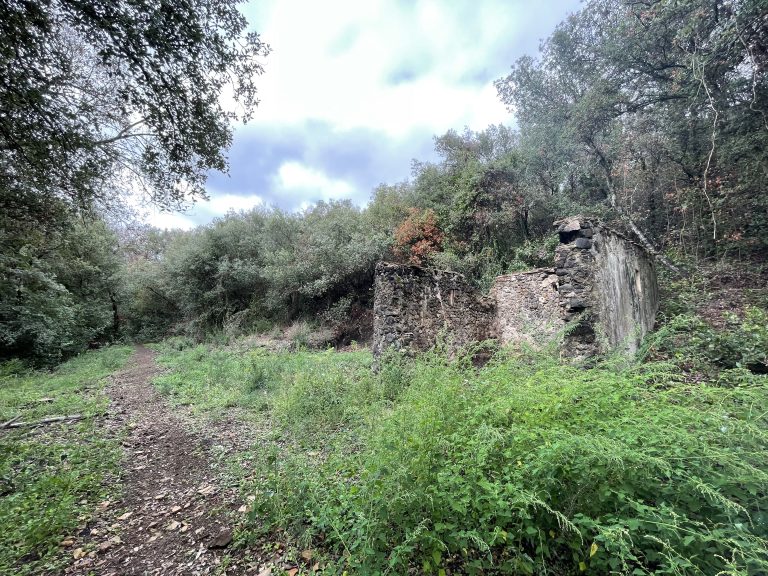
741, 346
50, 475
526, 466
211, 380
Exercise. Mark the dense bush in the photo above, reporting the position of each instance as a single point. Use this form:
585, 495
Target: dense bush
247, 270
741, 343
58, 289
526, 467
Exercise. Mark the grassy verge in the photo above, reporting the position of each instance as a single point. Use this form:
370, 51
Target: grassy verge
52, 477
527, 466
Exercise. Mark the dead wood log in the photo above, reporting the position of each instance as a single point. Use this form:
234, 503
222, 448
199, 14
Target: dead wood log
67, 419
9, 422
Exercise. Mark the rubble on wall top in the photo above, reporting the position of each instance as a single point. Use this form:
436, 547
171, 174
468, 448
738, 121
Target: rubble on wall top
394, 266
575, 228
572, 224
572, 228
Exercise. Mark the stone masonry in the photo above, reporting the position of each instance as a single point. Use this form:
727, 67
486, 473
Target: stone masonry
601, 295
527, 307
413, 306
607, 286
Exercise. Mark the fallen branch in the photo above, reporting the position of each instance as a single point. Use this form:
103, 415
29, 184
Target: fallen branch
67, 419
651, 248
11, 421
627, 218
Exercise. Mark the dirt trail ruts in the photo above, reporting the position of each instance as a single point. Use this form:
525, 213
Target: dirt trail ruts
174, 517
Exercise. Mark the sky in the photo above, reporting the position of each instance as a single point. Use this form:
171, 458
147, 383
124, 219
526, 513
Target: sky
353, 91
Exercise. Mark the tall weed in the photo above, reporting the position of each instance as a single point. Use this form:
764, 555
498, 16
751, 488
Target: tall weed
531, 467
525, 466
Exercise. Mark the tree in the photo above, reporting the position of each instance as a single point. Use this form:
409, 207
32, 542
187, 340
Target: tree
58, 288
418, 238
663, 105
95, 92
98, 98
314, 258
492, 200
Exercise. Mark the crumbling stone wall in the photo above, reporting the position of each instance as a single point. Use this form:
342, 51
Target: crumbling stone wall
527, 307
608, 288
414, 305
603, 287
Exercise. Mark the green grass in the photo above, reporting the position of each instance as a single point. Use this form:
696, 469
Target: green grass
526, 466
213, 380
52, 478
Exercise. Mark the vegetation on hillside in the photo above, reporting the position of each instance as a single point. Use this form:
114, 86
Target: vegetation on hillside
525, 466
651, 116
99, 101
49, 479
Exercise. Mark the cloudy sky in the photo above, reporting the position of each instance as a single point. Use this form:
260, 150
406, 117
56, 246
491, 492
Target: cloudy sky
353, 91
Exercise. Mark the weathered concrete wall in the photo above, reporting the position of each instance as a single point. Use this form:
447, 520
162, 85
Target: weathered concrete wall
413, 306
527, 307
603, 286
627, 290
608, 288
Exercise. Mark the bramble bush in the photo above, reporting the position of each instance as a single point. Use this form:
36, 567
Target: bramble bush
527, 466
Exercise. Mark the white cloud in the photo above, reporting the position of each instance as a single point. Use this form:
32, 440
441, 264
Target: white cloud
220, 204
203, 211
296, 179
169, 220
400, 70
393, 67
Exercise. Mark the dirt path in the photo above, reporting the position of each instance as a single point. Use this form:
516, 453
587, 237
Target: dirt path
174, 516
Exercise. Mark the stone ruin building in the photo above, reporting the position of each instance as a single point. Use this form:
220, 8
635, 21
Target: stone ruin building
603, 289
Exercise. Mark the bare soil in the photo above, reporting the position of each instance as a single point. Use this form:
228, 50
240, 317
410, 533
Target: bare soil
175, 515
733, 290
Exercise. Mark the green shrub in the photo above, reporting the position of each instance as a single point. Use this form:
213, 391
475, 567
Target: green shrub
328, 392
394, 374
299, 334
526, 466
747, 340
262, 325
179, 343
743, 343
261, 374
529, 467
681, 294
535, 253
13, 367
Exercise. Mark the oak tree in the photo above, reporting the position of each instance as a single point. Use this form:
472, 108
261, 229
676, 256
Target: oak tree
91, 91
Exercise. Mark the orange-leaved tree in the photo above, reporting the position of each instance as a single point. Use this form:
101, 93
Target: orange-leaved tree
418, 237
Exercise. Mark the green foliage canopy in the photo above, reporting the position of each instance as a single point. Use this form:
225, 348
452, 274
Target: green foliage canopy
662, 109
132, 88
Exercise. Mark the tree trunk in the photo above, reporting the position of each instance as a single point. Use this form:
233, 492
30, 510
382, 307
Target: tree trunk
605, 164
115, 315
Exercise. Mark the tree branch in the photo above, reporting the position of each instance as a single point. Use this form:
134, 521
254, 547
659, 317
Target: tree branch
123, 134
